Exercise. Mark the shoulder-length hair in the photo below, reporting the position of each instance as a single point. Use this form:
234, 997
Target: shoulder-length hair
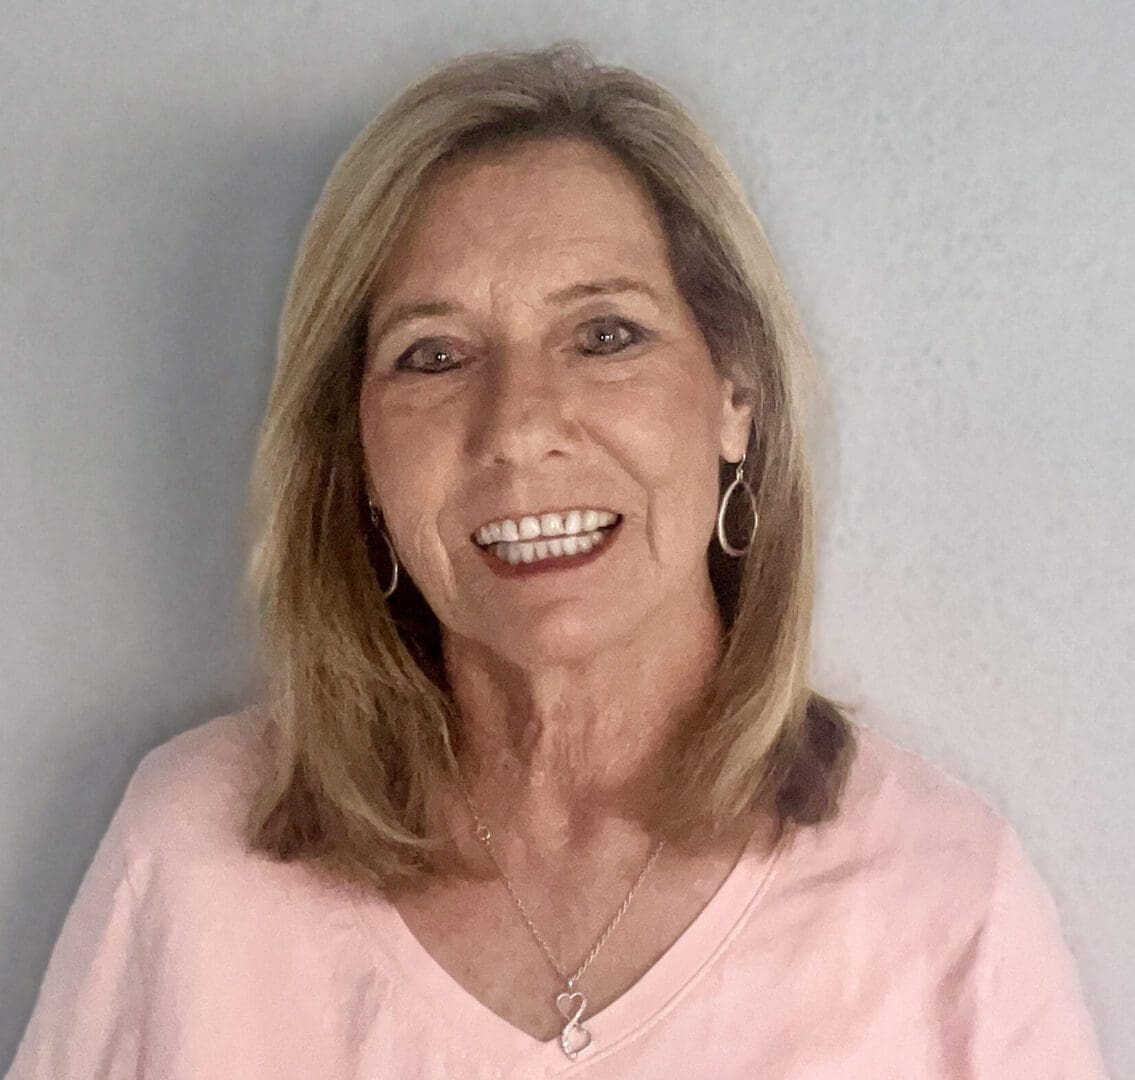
363, 726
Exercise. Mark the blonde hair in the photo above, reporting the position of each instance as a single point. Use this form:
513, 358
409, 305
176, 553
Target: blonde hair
363, 727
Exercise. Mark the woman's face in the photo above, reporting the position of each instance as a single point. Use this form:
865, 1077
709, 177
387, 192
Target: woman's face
529, 356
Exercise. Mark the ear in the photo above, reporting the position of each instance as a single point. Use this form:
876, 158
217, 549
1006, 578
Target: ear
371, 495
737, 405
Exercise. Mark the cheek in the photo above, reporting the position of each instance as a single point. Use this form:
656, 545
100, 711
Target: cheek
408, 464
685, 499
667, 438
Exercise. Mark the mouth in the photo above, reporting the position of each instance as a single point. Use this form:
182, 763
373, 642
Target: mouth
523, 558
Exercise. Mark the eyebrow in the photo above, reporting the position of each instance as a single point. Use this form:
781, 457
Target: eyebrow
601, 288
577, 291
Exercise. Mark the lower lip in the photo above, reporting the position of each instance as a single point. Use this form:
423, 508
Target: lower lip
553, 564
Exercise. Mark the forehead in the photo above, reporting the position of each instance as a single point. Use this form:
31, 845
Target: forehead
554, 207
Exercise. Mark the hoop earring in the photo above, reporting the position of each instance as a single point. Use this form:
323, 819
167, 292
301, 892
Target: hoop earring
738, 481
374, 520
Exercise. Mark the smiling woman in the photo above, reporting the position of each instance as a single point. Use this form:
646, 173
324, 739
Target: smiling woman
552, 244
538, 773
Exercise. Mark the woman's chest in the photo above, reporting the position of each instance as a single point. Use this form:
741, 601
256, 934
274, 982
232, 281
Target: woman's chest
505, 958
817, 976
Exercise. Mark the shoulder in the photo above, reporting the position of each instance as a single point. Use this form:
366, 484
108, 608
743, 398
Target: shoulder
189, 795
902, 792
949, 877
914, 828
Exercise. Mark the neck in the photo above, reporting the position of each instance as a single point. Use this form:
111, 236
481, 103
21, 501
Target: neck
566, 752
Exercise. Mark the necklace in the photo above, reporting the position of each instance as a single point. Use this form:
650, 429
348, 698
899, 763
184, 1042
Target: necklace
570, 1002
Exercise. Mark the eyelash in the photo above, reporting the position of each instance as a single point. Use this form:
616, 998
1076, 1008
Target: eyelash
637, 335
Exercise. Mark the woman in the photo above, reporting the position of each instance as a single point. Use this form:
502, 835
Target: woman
539, 787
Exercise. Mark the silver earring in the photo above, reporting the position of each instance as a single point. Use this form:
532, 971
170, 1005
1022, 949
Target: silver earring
738, 481
374, 520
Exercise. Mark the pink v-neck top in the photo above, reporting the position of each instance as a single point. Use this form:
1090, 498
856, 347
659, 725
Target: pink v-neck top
909, 938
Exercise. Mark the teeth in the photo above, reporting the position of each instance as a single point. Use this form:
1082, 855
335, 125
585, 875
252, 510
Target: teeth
531, 527
527, 551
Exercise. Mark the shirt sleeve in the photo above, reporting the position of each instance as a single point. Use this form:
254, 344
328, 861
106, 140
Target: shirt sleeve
1033, 1022
86, 1021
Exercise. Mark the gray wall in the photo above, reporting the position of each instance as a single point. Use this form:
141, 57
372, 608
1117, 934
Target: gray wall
949, 188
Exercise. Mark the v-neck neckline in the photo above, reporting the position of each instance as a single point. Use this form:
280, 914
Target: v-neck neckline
643, 1004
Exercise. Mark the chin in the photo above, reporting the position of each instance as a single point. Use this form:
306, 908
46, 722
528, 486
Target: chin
560, 637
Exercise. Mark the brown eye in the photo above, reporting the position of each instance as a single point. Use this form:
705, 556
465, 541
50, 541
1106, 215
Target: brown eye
605, 337
428, 356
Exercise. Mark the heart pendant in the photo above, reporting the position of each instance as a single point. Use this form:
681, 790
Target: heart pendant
575, 1038
568, 1004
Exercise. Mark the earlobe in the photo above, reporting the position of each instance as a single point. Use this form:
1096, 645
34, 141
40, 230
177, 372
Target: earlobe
737, 420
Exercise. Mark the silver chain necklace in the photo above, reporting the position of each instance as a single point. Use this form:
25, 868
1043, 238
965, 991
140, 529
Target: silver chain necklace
570, 1002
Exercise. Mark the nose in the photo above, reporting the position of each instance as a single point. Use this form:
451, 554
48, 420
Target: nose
520, 415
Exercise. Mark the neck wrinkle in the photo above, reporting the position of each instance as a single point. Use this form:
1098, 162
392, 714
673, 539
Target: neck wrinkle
563, 753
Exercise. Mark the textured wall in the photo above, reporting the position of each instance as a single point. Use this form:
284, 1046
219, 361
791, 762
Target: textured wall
949, 189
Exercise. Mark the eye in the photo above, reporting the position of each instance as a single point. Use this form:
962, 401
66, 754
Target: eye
612, 335
430, 355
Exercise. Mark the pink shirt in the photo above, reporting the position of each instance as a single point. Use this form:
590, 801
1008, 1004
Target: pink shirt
909, 938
